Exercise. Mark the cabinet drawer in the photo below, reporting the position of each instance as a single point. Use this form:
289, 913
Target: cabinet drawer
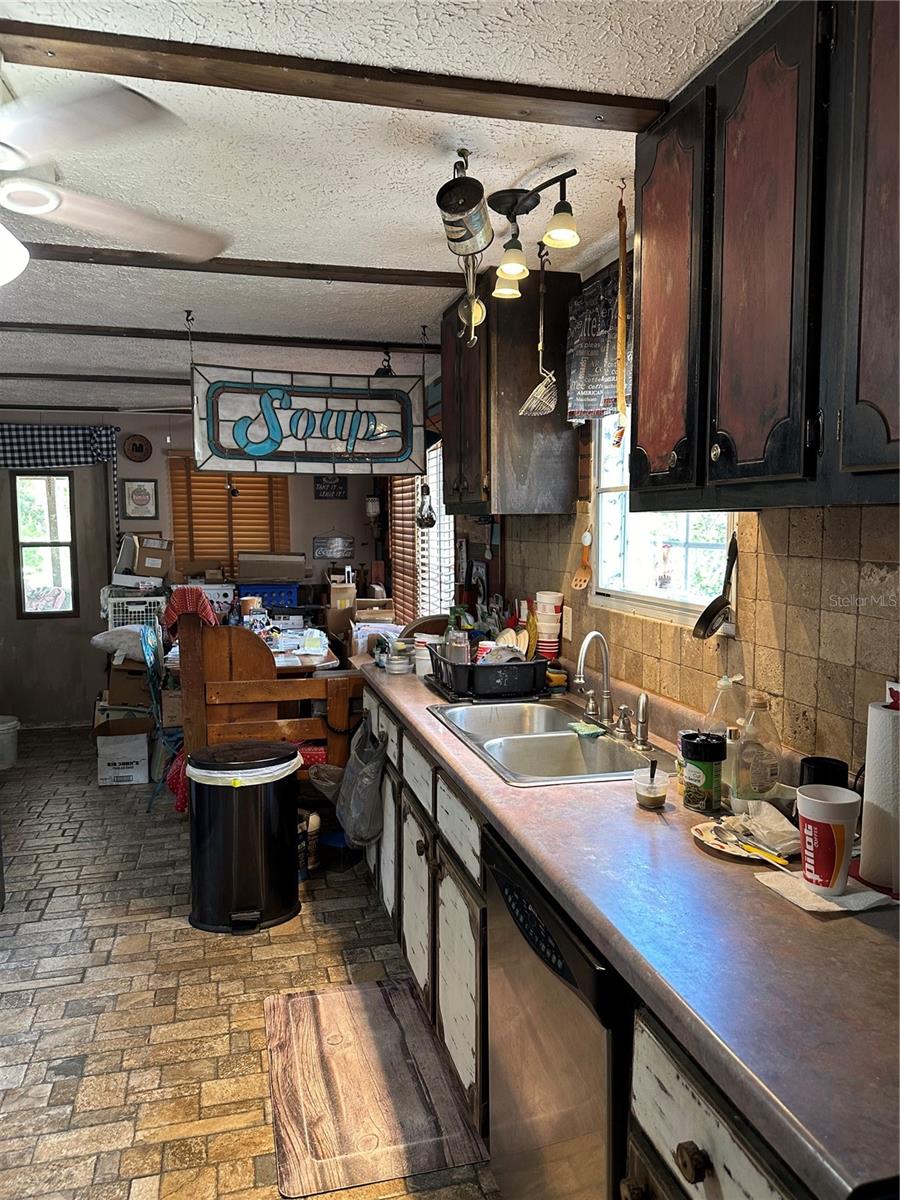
387, 724
372, 706
418, 773
705, 1151
459, 829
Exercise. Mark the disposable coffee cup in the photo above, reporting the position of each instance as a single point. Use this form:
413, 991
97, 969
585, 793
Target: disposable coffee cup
828, 817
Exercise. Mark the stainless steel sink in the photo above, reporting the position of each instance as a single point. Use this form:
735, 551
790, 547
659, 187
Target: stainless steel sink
529, 743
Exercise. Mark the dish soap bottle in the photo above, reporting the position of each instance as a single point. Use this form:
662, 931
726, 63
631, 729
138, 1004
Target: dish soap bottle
728, 706
760, 753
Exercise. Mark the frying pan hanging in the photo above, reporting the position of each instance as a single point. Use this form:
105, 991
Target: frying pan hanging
713, 616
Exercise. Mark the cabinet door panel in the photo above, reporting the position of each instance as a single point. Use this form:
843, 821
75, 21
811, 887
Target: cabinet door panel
763, 258
387, 868
871, 427
671, 185
460, 919
415, 905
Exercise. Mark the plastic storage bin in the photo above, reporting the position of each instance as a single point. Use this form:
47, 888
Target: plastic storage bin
9, 742
243, 819
272, 595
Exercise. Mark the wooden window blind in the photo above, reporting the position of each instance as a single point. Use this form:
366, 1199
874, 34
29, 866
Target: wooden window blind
402, 498
208, 522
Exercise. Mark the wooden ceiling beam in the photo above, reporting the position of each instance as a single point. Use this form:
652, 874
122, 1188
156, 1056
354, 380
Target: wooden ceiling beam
348, 83
63, 377
237, 339
109, 256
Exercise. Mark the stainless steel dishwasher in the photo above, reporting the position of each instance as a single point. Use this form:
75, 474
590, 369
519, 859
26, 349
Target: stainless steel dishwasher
559, 1045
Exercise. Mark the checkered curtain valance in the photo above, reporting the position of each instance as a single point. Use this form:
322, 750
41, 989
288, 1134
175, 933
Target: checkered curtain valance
43, 447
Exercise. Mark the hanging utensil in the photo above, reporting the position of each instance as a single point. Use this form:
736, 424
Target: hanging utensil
622, 319
713, 616
545, 396
582, 576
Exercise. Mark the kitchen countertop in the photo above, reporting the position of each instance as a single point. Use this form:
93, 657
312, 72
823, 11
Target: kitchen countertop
794, 1016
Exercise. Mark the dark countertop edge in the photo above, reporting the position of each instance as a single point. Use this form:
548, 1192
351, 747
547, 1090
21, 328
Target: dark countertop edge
807, 1157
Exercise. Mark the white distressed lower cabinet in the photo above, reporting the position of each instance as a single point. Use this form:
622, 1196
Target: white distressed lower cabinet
416, 895
388, 858
459, 955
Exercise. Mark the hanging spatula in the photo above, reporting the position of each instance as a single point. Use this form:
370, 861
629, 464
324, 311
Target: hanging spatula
545, 396
582, 576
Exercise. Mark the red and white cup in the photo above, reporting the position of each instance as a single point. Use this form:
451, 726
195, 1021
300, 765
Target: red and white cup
828, 817
483, 649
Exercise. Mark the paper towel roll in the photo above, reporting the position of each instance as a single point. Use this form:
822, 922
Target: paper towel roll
880, 860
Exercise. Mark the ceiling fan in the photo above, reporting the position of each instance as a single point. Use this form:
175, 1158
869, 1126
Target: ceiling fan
34, 130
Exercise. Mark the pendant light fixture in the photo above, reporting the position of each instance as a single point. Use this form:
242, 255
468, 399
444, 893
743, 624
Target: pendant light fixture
562, 232
512, 264
506, 289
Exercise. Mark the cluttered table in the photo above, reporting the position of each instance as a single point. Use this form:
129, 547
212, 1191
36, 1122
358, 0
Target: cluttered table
288, 664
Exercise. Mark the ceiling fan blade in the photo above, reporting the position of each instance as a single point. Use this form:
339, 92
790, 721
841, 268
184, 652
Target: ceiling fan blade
13, 256
144, 229
38, 128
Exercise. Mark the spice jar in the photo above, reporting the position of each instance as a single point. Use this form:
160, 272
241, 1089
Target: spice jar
703, 755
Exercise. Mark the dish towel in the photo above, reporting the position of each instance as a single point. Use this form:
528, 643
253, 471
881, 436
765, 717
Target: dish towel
188, 600
857, 897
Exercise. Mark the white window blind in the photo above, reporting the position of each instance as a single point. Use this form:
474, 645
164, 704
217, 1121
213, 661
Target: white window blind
436, 545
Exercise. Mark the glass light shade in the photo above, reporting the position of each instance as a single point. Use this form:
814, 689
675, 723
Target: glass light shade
13, 257
512, 264
30, 197
561, 231
506, 289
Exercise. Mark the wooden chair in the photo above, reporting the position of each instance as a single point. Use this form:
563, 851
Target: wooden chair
230, 692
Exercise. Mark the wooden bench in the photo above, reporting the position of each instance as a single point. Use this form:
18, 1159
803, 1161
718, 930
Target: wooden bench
231, 692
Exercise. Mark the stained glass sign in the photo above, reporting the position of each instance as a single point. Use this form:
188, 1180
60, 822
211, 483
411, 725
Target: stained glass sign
292, 422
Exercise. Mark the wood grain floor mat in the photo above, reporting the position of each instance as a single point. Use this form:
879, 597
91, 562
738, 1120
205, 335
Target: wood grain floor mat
361, 1090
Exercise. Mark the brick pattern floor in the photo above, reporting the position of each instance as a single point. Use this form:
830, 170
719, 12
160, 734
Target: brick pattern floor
132, 1047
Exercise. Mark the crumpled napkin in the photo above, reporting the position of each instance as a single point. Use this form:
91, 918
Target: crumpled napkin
766, 824
857, 897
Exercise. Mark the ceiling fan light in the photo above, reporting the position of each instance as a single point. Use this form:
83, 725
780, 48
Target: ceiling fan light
562, 232
13, 257
30, 197
11, 159
512, 264
506, 289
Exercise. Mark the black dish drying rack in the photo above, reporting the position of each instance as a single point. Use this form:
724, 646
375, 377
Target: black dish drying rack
487, 681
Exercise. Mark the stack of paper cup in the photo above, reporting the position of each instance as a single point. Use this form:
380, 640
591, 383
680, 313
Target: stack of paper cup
548, 611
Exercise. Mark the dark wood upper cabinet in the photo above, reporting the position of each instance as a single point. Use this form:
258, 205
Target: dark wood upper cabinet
671, 187
763, 360
494, 460
870, 433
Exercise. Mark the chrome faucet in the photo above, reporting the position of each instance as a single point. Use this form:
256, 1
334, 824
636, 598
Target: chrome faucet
604, 714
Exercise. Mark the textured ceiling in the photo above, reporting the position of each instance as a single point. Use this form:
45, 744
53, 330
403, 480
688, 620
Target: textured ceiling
325, 182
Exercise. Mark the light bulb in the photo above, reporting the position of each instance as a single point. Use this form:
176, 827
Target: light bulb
512, 264
561, 231
13, 256
506, 289
31, 197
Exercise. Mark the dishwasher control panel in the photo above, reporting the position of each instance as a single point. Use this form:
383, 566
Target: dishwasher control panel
534, 930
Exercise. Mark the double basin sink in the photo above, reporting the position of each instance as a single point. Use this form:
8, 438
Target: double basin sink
530, 743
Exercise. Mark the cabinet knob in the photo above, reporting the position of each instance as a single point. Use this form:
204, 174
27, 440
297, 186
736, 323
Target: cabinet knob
692, 1162
715, 452
673, 460
630, 1189
421, 847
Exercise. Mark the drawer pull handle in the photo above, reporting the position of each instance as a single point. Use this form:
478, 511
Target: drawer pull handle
420, 848
630, 1189
693, 1163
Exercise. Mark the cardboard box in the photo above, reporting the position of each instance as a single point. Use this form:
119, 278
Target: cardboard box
343, 595
150, 583
171, 707
128, 685
338, 621
154, 557
104, 711
122, 751
271, 568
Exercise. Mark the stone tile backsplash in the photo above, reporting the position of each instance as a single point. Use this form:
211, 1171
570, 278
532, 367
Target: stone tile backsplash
816, 610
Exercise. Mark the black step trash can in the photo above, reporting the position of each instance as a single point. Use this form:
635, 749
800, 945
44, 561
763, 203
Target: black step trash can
243, 819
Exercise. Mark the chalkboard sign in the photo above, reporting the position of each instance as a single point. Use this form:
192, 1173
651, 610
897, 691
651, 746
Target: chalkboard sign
330, 487
333, 547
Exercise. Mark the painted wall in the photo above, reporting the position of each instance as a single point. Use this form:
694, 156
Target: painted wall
817, 618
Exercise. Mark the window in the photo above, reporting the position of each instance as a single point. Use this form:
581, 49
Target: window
422, 562
208, 521
46, 582
660, 564
435, 564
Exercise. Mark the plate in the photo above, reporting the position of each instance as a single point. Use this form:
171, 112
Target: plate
507, 637
703, 833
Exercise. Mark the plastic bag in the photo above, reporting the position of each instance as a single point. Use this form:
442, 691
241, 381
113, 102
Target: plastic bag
327, 779
359, 800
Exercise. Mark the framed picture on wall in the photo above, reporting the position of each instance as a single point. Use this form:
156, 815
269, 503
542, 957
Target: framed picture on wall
139, 502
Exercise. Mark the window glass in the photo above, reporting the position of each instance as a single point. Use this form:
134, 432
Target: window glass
43, 518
